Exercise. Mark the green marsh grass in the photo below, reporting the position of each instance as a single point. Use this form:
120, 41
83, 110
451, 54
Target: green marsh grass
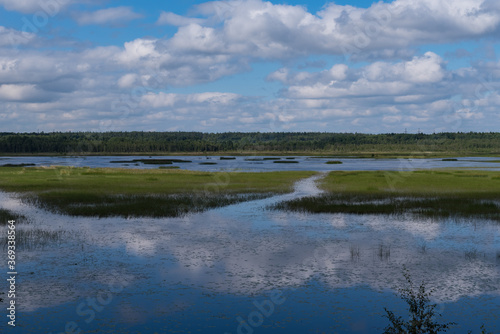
105, 192
101, 206
432, 193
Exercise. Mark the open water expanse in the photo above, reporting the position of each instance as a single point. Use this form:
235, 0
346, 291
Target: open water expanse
259, 163
246, 269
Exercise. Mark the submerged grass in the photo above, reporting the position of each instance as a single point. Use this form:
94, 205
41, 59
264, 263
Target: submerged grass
6, 215
433, 193
105, 192
32, 239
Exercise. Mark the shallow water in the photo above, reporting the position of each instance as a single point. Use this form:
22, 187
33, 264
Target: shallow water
242, 163
246, 269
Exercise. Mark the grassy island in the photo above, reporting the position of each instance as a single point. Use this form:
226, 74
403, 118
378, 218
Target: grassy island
431, 193
105, 192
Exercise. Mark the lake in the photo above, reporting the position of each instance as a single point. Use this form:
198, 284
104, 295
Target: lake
260, 163
247, 269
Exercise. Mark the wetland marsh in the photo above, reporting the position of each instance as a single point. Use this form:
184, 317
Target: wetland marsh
217, 270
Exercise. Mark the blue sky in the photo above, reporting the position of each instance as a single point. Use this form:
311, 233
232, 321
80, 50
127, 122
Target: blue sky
249, 65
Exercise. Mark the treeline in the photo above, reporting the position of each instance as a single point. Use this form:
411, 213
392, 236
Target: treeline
197, 142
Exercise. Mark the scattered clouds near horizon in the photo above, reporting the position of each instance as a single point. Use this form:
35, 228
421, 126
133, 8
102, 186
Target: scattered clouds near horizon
251, 65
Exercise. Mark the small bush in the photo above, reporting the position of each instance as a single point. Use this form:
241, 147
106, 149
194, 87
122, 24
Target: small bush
422, 312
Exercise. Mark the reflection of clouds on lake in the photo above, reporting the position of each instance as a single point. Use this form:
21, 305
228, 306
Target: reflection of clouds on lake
47, 293
254, 260
138, 244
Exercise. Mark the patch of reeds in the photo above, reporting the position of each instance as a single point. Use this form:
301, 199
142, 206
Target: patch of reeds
473, 254
394, 205
334, 162
208, 163
271, 158
422, 248
448, 159
383, 251
227, 158
355, 252
97, 205
6, 215
286, 162
31, 239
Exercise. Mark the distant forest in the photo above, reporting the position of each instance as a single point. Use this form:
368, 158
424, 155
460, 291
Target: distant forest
240, 142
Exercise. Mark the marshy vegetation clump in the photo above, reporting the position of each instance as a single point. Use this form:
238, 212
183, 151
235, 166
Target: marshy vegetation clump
102, 206
355, 252
440, 207
6, 215
429, 193
106, 192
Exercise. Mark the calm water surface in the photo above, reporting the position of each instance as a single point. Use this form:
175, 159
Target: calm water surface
258, 163
246, 269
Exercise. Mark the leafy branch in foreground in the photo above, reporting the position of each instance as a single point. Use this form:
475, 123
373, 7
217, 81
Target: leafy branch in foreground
422, 312
483, 330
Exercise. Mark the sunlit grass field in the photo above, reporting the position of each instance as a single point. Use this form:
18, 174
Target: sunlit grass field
465, 183
430, 193
107, 192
